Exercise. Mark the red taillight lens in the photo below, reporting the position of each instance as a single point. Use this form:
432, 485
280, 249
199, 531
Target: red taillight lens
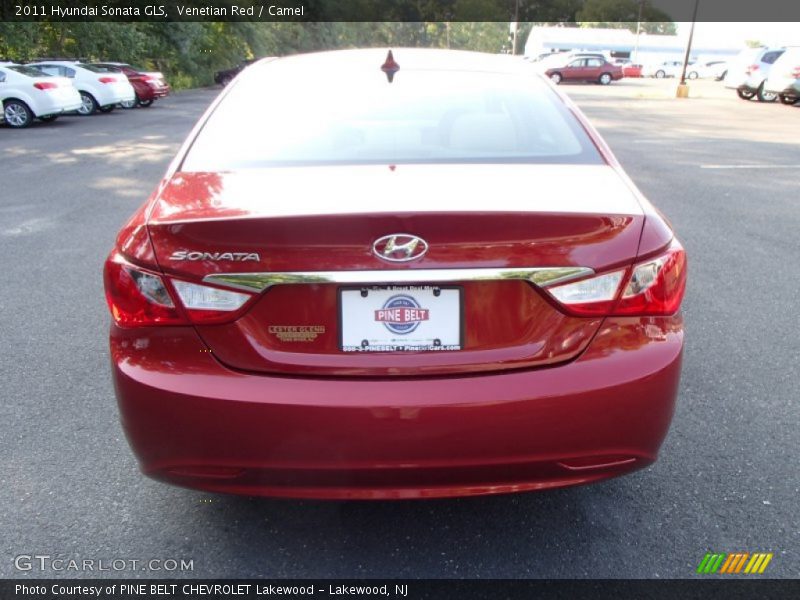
137, 297
45, 85
654, 287
751, 69
796, 73
108, 80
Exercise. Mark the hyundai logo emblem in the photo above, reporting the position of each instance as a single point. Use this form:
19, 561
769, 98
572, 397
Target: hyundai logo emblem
400, 247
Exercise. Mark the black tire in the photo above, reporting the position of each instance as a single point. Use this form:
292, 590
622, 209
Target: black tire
17, 114
605, 79
660, 74
745, 94
691, 75
48, 118
556, 78
765, 96
89, 106
225, 80
106, 109
145, 103
787, 99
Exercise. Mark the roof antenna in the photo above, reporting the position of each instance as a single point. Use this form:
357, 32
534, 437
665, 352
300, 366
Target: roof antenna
390, 67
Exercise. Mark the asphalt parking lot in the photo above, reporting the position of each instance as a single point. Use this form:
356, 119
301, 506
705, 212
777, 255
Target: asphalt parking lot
724, 171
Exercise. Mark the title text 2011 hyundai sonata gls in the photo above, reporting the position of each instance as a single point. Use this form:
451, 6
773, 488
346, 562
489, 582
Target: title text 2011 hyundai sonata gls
393, 275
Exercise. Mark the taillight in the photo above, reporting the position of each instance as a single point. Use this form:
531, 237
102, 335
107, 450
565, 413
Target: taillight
656, 286
796, 72
108, 80
139, 297
206, 304
653, 287
751, 69
593, 296
45, 85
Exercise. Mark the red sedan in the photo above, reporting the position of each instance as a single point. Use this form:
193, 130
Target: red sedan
585, 69
415, 275
148, 85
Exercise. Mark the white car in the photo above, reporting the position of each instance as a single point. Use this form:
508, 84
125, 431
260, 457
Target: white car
27, 94
99, 89
749, 70
784, 76
670, 68
714, 69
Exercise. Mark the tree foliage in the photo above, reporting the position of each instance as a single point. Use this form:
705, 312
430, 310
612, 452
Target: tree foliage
625, 14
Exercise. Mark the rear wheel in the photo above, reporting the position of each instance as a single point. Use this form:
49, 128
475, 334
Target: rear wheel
17, 114
745, 94
107, 109
48, 118
691, 75
660, 74
556, 78
787, 99
605, 79
88, 104
145, 103
765, 96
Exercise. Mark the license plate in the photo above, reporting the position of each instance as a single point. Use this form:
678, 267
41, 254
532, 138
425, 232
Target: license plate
406, 318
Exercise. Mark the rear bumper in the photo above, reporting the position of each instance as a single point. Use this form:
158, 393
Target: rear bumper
193, 422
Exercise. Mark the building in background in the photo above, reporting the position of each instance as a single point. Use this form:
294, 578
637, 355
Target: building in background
620, 43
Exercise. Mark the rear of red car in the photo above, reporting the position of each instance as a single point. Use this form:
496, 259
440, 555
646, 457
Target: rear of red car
417, 275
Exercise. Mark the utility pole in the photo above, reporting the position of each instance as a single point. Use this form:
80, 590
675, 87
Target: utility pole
635, 57
516, 26
683, 89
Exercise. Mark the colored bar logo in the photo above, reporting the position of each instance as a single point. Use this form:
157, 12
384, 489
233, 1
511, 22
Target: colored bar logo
738, 562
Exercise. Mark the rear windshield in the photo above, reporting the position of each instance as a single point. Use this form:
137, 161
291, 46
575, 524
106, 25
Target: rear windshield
29, 71
96, 69
277, 117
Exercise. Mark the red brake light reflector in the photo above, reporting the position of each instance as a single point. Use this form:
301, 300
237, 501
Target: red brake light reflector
656, 286
45, 85
107, 80
137, 297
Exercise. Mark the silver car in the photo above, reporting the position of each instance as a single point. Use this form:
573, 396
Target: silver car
749, 70
784, 76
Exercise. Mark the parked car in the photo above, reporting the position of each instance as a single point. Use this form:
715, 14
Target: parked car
629, 69
99, 89
669, 68
225, 76
432, 332
714, 69
147, 85
749, 70
27, 94
585, 69
784, 76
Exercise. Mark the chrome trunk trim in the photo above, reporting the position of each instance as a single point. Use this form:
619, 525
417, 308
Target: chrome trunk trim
258, 282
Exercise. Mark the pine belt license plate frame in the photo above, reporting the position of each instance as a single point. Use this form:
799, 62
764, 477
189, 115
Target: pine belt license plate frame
439, 338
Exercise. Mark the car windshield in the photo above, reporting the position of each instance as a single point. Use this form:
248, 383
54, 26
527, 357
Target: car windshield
29, 71
280, 116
